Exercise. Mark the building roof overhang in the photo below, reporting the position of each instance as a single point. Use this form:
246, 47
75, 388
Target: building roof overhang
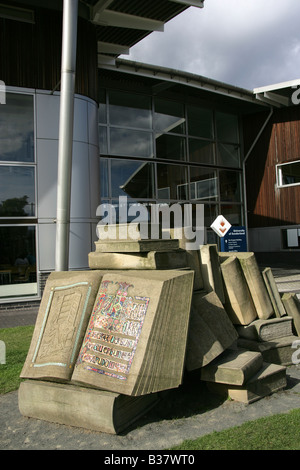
119, 24
279, 95
164, 78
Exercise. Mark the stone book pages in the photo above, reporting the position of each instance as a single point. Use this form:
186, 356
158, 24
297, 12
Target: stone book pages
267, 330
136, 338
63, 316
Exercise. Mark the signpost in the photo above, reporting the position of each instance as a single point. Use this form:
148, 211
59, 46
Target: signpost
232, 238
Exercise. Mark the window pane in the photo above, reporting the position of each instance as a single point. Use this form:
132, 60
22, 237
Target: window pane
132, 179
170, 147
232, 213
102, 107
290, 174
203, 185
229, 155
104, 189
210, 214
230, 187
131, 143
172, 182
103, 140
130, 110
17, 261
200, 122
169, 116
227, 127
201, 151
17, 128
17, 193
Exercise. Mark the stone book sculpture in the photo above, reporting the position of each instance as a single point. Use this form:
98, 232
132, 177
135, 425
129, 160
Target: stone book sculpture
120, 331
136, 337
64, 312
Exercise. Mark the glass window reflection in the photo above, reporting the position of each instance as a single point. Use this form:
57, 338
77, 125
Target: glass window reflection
130, 110
227, 127
203, 185
132, 179
232, 213
131, 143
17, 261
102, 107
104, 178
103, 140
170, 147
201, 151
230, 187
172, 182
229, 155
17, 191
17, 128
200, 122
169, 117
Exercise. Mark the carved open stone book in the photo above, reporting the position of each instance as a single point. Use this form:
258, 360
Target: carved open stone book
120, 331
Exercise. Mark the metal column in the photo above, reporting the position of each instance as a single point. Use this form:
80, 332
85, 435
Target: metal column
65, 148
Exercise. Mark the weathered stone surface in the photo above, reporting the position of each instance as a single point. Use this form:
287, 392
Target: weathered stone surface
95, 410
267, 330
269, 379
211, 271
129, 231
279, 351
135, 246
136, 338
150, 260
210, 331
273, 292
239, 304
292, 307
63, 316
192, 256
234, 367
224, 255
256, 286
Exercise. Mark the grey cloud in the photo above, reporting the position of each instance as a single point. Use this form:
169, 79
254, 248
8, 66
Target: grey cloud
244, 44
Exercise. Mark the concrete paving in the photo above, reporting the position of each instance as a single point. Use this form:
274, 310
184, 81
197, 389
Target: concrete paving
183, 414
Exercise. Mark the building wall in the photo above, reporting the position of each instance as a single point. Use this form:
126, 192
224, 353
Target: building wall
85, 179
30, 54
272, 209
31, 229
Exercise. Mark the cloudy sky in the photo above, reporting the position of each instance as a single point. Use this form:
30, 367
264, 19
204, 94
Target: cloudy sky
247, 43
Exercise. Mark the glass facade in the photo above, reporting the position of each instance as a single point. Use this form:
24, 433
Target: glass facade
154, 149
17, 197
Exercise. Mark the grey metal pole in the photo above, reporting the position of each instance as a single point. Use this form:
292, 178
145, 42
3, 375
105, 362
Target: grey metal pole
66, 120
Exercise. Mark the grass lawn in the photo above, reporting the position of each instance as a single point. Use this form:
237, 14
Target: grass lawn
279, 432
17, 341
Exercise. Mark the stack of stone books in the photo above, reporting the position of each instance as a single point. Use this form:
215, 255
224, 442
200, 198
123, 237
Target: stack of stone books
243, 375
107, 340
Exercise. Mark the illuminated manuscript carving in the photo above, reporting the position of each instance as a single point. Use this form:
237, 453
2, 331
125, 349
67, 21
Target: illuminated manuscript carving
114, 330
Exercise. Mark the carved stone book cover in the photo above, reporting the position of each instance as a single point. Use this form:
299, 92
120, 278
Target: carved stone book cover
63, 316
136, 337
